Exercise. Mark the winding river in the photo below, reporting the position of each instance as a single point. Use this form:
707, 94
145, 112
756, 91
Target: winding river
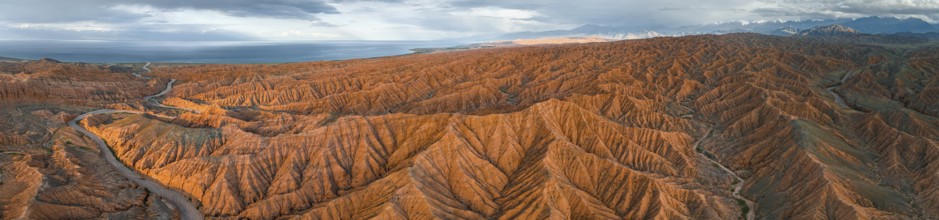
751, 213
838, 98
186, 209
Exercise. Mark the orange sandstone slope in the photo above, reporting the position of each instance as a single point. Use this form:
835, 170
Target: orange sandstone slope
49, 171
604, 130
814, 128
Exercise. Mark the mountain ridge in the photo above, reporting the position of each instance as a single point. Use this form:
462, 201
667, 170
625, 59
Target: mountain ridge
870, 25
830, 30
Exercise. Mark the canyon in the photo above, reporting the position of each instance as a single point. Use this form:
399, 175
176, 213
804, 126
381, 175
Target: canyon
735, 126
186, 209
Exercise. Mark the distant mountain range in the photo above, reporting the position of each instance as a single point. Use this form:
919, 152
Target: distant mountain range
830, 30
842, 33
869, 25
9, 59
877, 30
619, 33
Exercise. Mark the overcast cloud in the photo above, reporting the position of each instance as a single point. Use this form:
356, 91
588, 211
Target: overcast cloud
400, 19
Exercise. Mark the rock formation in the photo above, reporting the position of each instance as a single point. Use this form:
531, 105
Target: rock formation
618, 130
47, 170
830, 30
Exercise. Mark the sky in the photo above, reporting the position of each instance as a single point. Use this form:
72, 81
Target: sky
324, 20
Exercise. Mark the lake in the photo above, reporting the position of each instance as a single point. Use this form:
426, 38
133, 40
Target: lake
207, 51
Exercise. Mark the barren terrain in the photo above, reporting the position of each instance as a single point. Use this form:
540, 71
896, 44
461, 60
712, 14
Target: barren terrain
738, 126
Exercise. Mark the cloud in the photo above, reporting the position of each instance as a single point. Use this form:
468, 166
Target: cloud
639, 13
45, 33
173, 19
413, 19
40, 11
923, 9
291, 9
505, 13
430, 19
48, 11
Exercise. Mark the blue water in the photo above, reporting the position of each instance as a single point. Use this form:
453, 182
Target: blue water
207, 52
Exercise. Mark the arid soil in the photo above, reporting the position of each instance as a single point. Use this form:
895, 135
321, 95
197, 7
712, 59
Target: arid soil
180, 201
737, 126
47, 169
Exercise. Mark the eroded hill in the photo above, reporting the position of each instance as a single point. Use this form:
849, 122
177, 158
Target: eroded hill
604, 130
49, 171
